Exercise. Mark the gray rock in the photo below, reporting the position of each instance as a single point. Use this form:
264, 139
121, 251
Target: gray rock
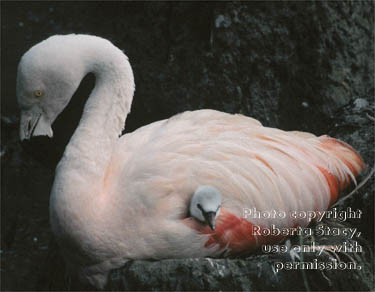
222, 21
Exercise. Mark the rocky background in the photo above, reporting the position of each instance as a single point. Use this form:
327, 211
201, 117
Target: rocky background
294, 65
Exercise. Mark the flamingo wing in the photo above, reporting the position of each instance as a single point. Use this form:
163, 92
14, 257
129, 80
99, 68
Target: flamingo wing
253, 167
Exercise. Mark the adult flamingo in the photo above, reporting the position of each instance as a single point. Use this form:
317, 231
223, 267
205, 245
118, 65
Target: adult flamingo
174, 188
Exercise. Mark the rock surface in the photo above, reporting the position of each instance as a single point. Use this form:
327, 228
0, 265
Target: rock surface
294, 65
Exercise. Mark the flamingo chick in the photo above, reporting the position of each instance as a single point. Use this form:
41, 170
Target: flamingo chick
205, 205
118, 198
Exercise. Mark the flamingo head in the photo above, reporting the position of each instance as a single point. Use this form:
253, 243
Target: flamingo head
48, 75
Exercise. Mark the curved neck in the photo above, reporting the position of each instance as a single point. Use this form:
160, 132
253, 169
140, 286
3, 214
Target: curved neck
88, 153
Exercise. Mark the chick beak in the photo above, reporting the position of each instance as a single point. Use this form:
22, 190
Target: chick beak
210, 218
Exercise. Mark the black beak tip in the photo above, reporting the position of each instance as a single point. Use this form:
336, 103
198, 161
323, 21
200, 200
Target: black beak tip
210, 219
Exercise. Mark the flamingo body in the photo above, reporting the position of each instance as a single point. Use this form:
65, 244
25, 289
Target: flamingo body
253, 166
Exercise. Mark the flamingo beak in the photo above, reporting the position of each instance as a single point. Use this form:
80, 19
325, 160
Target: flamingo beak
34, 124
210, 218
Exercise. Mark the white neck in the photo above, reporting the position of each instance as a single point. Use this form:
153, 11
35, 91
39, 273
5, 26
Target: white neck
88, 153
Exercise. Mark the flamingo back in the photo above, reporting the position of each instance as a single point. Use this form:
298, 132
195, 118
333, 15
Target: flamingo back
254, 167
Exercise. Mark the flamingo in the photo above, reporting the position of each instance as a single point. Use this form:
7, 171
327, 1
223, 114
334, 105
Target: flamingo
175, 188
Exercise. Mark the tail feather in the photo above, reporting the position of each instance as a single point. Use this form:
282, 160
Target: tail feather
345, 168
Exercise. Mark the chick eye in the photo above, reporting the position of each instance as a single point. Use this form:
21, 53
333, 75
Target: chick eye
38, 93
199, 207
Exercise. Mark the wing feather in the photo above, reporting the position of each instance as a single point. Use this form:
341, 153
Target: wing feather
253, 167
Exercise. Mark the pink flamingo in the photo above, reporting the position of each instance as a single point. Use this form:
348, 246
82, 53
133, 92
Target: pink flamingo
174, 188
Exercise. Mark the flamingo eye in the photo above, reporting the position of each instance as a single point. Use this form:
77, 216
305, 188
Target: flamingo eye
199, 207
38, 93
